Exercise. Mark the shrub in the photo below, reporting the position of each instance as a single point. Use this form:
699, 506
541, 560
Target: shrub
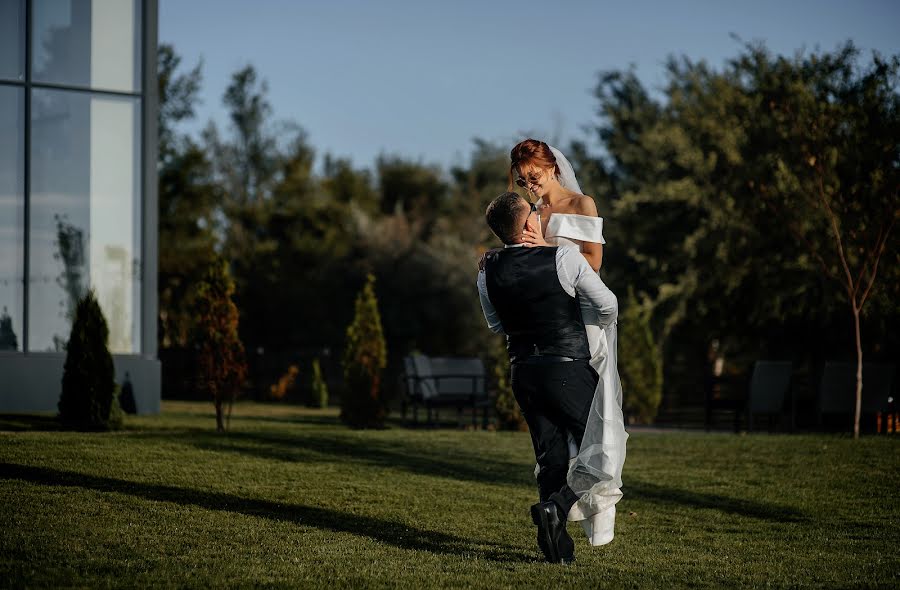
509, 415
640, 362
365, 357
88, 399
285, 383
221, 364
319, 387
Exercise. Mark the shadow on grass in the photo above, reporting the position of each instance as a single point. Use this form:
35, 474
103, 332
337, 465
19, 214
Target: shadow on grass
384, 531
641, 490
450, 462
29, 422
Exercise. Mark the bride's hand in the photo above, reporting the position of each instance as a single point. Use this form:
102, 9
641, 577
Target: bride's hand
532, 236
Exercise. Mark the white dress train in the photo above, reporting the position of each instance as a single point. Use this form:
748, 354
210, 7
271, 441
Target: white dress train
595, 469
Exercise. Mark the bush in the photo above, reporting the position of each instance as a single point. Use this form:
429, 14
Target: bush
509, 415
319, 387
285, 383
640, 362
221, 364
365, 357
88, 399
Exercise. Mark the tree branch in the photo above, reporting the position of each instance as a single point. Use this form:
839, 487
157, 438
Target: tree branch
878, 252
837, 236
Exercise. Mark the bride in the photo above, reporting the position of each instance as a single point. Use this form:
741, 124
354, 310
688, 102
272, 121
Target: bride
569, 217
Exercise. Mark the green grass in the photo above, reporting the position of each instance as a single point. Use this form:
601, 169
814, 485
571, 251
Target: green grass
291, 498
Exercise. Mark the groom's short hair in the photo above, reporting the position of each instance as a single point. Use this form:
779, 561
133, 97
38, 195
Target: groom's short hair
502, 216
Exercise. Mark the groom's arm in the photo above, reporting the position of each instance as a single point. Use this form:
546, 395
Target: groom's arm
490, 314
577, 277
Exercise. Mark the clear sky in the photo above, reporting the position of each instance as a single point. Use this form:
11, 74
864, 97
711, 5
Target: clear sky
422, 78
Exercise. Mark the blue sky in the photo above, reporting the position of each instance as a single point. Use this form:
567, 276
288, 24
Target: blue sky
422, 79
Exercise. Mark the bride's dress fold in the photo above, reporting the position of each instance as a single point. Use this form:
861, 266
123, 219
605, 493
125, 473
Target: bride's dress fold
595, 470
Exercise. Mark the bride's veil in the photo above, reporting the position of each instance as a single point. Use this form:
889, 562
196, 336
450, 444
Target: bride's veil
566, 172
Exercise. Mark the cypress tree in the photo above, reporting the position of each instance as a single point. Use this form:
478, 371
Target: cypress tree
88, 398
365, 357
319, 387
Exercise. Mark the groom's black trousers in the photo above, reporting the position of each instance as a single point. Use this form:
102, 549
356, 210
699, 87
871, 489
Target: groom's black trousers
555, 398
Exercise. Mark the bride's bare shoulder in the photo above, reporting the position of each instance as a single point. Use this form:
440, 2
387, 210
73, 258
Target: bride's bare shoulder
584, 205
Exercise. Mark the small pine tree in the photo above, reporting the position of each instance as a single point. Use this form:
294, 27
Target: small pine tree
640, 362
509, 415
8, 340
88, 398
364, 358
319, 387
221, 364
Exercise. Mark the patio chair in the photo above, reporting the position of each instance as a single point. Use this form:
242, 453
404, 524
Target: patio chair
770, 382
435, 382
837, 390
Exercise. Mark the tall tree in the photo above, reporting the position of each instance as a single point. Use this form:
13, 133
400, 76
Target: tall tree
707, 183
835, 176
188, 197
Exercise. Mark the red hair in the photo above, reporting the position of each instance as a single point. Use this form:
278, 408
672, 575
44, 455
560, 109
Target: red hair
531, 152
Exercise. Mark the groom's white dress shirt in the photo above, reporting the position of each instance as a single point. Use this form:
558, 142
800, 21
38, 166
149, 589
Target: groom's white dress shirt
575, 276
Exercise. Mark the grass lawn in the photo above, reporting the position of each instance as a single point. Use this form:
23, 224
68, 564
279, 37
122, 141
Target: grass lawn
291, 498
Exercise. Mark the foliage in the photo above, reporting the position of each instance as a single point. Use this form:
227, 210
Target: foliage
285, 383
509, 415
707, 182
220, 355
319, 387
639, 362
89, 392
187, 201
365, 357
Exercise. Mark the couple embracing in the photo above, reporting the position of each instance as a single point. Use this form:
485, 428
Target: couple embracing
543, 292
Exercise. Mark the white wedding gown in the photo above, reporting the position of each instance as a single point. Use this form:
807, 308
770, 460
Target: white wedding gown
595, 469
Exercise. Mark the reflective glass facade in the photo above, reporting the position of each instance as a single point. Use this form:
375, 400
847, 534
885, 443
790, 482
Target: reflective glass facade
77, 181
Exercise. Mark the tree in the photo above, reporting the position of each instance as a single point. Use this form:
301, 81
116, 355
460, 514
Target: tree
640, 361
319, 387
8, 340
365, 357
708, 202
187, 200
88, 398
835, 178
509, 414
220, 355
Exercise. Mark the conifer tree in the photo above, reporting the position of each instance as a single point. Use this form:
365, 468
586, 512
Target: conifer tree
639, 361
221, 363
365, 357
88, 398
319, 387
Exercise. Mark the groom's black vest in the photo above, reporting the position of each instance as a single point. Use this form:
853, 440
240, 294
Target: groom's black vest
537, 314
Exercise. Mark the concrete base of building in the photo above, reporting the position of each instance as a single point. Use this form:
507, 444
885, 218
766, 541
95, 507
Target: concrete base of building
31, 383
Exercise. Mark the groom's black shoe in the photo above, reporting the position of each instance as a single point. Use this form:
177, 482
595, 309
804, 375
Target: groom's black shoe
552, 537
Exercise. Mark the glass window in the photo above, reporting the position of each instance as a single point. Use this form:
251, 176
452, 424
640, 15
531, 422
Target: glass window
90, 43
85, 215
12, 220
12, 39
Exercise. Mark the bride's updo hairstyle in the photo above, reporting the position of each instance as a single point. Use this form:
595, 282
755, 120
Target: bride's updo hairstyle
530, 152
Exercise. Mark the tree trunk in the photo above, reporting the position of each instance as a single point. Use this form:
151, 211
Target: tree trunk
859, 376
220, 426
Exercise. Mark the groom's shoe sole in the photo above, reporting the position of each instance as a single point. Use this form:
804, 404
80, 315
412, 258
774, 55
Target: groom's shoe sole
546, 523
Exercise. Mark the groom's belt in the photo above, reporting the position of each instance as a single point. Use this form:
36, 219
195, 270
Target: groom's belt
541, 359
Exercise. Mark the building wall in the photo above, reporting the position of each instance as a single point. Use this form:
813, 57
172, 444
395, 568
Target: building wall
78, 202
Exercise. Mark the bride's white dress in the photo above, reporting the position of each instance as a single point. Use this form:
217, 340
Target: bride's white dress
595, 470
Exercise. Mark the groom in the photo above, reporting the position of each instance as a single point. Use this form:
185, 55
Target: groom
532, 295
